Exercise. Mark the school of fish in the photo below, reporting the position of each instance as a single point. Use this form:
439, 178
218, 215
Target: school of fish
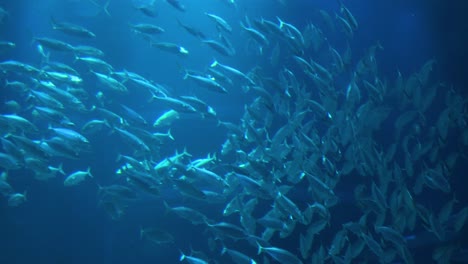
321, 130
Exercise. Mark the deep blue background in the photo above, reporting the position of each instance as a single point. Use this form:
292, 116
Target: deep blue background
65, 225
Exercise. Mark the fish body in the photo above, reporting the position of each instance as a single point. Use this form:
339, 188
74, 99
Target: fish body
16, 199
147, 28
72, 29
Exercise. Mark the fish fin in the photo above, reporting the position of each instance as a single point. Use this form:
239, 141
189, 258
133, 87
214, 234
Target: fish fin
103, 8
169, 134
259, 251
60, 169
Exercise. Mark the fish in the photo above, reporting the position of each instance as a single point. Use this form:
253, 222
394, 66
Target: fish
60, 67
116, 191
276, 136
200, 106
177, 5
237, 257
256, 35
98, 65
72, 29
132, 116
288, 206
77, 177
170, 47
111, 84
202, 162
228, 229
135, 142
191, 259
188, 189
219, 47
64, 77
146, 28
207, 82
16, 199
46, 99
103, 8
348, 16
3, 14
175, 104
69, 135
162, 137
142, 181
232, 70
16, 66
147, 10
292, 32
80, 50
6, 46
279, 254
220, 22
8, 162
51, 114
5, 188
156, 235
16, 122
192, 215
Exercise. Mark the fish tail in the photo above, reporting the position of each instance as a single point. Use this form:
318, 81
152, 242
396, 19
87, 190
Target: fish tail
53, 22
153, 97
242, 25
214, 63
259, 248
119, 157
185, 153
182, 256
105, 8
167, 208
60, 169
223, 250
76, 58
281, 22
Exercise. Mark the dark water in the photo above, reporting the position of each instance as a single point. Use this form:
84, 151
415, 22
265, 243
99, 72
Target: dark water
60, 224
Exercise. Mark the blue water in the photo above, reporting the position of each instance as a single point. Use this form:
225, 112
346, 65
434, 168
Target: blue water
66, 225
